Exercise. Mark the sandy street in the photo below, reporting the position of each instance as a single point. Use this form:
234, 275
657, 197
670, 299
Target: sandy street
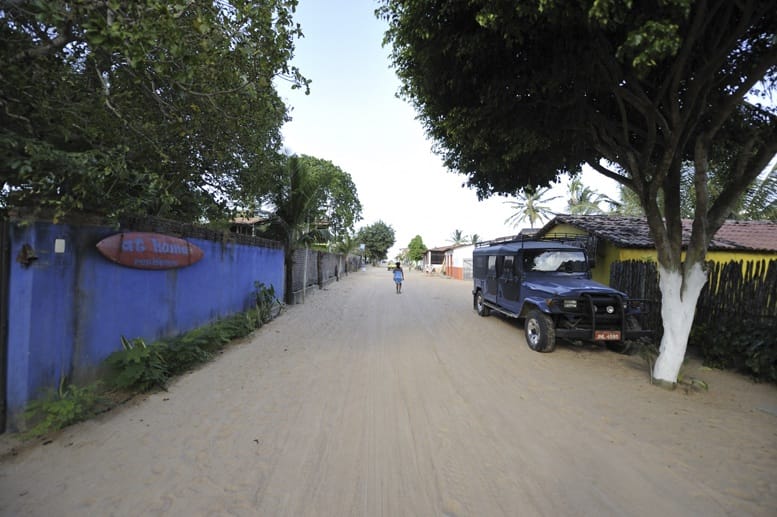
363, 402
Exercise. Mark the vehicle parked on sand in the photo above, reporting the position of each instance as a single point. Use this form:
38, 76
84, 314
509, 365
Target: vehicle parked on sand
548, 285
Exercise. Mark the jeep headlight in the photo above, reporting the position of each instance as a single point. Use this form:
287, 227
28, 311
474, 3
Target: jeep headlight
610, 309
570, 304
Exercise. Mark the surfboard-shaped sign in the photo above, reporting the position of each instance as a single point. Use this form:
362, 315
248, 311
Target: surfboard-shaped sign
142, 250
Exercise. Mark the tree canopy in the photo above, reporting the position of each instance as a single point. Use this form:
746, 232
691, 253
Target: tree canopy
416, 249
337, 199
150, 106
377, 239
310, 199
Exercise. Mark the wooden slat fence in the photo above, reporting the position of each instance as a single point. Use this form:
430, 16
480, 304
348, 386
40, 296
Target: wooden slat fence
746, 289
639, 280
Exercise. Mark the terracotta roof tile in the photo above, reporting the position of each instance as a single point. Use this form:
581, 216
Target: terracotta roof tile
633, 232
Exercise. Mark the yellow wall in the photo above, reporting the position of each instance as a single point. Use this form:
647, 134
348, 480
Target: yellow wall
609, 253
601, 273
565, 229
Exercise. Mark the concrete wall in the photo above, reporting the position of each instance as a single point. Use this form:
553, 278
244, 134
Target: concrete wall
317, 269
68, 308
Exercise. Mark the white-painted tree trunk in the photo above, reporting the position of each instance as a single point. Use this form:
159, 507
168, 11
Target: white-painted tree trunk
678, 306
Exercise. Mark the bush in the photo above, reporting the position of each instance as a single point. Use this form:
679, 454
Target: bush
266, 301
181, 354
137, 367
61, 408
742, 344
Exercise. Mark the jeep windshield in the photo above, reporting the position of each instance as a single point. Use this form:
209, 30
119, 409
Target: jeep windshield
563, 261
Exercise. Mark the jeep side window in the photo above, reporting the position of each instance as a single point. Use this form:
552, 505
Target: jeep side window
507, 267
492, 265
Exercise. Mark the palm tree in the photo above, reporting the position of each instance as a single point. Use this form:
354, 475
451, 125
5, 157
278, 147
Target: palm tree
531, 204
584, 200
347, 245
474, 238
628, 204
760, 200
457, 237
296, 202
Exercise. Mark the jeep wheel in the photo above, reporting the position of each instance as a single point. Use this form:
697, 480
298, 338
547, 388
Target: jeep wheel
540, 332
481, 307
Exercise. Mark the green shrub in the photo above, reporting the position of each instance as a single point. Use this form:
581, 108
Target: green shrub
137, 367
59, 409
762, 357
742, 344
181, 355
236, 326
265, 302
209, 338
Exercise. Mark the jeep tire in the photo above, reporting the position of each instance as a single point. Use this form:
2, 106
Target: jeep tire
480, 305
540, 332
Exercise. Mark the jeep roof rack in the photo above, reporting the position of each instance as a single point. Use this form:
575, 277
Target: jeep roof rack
560, 238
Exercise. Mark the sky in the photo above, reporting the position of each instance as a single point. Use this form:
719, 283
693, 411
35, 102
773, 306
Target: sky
353, 118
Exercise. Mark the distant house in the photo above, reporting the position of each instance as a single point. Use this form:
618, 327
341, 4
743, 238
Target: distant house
454, 260
460, 262
435, 258
247, 225
611, 238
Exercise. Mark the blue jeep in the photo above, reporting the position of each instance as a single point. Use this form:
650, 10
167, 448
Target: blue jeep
548, 285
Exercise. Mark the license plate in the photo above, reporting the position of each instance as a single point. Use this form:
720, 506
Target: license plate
607, 335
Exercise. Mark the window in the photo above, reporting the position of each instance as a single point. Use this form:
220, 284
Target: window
508, 268
556, 260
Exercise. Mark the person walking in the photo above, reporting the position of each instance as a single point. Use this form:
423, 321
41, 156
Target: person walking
399, 277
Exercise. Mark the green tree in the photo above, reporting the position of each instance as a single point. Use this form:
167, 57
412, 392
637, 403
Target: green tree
627, 203
145, 107
515, 93
338, 206
760, 200
347, 245
457, 237
583, 199
377, 239
416, 249
296, 207
474, 238
312, 201
531, 204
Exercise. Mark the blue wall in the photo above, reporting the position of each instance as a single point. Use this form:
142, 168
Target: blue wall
67, 311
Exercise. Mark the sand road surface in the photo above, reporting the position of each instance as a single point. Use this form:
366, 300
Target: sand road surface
364, 402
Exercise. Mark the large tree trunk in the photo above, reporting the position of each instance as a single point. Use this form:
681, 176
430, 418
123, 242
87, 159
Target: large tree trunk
679, 291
